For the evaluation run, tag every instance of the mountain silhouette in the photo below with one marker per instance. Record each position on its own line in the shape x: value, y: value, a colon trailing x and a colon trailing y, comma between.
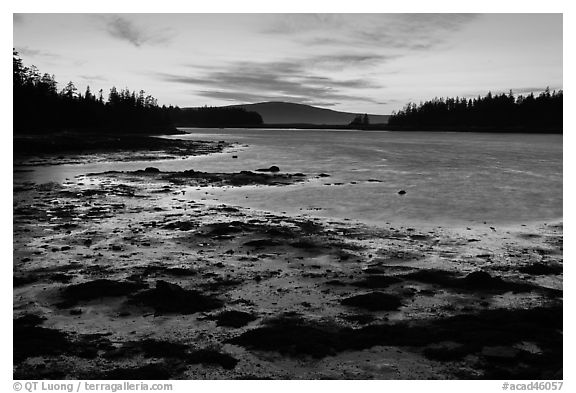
x: 291, y: 113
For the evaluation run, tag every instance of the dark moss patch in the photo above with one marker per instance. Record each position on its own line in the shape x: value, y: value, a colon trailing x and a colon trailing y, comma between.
x: 20, y: 279
x: 169, y: 298
x: 377, y: 281
x: 541, y: 269
x: 30, y: 340
x: 227, y: 228
x: 97, y: 289
x: 374, y: 301
x: 212, y: 357
x: 362, y: 319
x: 153, y: 371
x: 470, y: 333
x: 235, y: 319
x: 262, y: 243
x: 181, y: 225
x: 291, y: 336
x: 475, y: 281
x: 222, y: 283
x: 163, y: 349
x: 305, y: 244
x: 446, y: 353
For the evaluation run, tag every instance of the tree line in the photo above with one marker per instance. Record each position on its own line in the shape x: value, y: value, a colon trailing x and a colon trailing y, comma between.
x: 40, y: 107
x: 542, y: 112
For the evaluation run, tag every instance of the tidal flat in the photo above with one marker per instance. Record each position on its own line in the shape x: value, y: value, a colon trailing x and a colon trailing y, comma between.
x: 118, y: 275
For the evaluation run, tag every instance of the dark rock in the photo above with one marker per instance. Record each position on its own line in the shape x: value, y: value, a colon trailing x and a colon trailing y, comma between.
x: 323, y: 175
x: 152, y: 170
x: 482, y: 280
x: 273, y: 168
x: 401, y: 192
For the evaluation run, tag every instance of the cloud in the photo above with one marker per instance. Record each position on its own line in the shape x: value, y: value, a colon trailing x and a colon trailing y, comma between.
x: 125, y: 30
x: 265, y: 81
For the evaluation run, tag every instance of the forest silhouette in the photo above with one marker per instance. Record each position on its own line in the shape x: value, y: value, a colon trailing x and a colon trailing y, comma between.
x: 40, y: 108
x: 542, y: 113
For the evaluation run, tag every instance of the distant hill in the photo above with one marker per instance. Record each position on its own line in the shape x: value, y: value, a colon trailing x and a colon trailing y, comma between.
x: 289, y: 113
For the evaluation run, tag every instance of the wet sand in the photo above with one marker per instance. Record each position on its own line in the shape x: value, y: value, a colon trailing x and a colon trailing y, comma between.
x: 118, y: 276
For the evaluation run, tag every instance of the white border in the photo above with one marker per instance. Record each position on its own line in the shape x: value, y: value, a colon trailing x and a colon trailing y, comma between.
x: 244, y: 6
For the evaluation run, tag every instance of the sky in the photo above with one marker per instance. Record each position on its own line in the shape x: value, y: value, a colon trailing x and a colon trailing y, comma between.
x: 367, y: 63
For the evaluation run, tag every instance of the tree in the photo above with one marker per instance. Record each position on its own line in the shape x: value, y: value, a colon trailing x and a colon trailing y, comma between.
x: 365, y: 120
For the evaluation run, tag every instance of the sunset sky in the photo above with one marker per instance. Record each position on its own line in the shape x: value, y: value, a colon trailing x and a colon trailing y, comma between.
x: 373, y: 63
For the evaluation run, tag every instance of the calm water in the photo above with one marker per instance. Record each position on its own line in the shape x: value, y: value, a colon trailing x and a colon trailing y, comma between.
x: 448, y: 177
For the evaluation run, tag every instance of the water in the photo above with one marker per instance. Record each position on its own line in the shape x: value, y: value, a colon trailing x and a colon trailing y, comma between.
x: 461, y: 178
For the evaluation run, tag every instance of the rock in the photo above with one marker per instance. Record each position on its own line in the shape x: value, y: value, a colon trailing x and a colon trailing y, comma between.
x: 401, y: 192
x: 273, y: 168
x: 323, y: 175
x: 482, y: 280
x: 151, y: 169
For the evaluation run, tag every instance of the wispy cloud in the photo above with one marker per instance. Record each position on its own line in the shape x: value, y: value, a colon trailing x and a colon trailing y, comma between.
x: 124, y: 29
x: 92, y: 78
x: 388, y: 31
x: 282, y: 80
